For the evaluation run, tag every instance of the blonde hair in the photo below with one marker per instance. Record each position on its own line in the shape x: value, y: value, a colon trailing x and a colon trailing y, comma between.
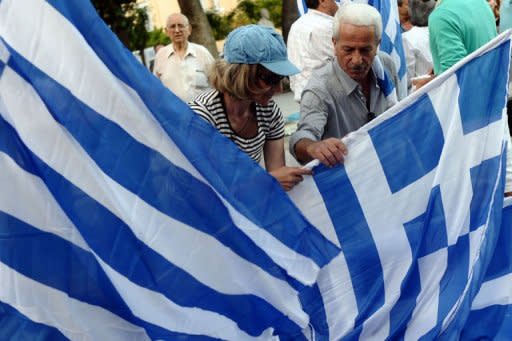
x: 237, y: 80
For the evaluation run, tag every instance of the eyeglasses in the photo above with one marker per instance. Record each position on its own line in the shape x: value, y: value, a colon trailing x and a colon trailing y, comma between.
x: 176, y: 26
x: 270, y: 78
x: 371, y: 116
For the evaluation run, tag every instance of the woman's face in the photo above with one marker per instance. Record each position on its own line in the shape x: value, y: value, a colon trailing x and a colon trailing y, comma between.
x: 270, y: 82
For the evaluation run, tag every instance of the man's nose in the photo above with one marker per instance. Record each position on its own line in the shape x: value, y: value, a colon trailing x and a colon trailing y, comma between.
x: 357, y: 57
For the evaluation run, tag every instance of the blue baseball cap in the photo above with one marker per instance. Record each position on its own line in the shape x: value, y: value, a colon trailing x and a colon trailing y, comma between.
x: 257, y: 44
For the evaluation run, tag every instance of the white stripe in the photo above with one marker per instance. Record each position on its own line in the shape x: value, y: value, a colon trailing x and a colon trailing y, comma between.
x: 494, y: 292
x: 338, y: 297
x: 4, y: 54
x: 149, y: 306
x: 157, y: 309
x: 26, y: 198
x: 57, y: 44
x: 313, y: 208
x: 424, y: 317
x: 172, y: 239
x: 384, y: 215
x: 76, y: 320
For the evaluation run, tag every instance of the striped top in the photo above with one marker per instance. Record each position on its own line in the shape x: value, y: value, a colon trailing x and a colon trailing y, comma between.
x: 210, y: 106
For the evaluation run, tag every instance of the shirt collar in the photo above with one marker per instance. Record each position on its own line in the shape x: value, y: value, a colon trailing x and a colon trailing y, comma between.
x: 189, y: 51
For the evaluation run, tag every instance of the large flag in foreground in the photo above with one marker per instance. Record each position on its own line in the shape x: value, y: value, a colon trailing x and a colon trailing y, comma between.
x: 119, y: 220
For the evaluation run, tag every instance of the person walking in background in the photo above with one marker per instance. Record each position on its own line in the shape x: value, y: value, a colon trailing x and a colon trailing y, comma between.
x: 310, y: 42
x: 182, y: 66
x: 457, y: 28
x: 416, y: 40
x: 403, y: 13
x: 240, y: 105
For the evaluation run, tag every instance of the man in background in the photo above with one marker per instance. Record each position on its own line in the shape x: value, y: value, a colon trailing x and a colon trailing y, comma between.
x: 182, y: 66
x: 310, y: 42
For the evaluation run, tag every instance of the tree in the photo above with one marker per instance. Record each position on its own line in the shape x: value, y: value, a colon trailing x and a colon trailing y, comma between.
x: 289, y: 15
x: 126, y: 20
x: 201, y: 30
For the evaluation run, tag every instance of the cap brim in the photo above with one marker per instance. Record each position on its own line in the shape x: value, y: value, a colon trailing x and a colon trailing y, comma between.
x: 282, y: 67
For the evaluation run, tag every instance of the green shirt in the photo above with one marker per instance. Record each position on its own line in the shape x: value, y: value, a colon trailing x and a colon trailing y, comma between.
x: 457, y: 28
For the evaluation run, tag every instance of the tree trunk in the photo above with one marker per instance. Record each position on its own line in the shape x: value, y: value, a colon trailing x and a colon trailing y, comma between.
x: 290, y: 14
x: 201, y: 30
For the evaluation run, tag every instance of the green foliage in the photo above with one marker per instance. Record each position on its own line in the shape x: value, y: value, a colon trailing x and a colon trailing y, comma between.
x: 126, y: 20
x: 246, y: 12
x: 157, y: 36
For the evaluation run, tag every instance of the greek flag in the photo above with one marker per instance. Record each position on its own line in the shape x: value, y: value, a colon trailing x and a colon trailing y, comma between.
x: 118, y: 218
x: 391, y: 42
x: 417, y: 210
x: 124, y: 216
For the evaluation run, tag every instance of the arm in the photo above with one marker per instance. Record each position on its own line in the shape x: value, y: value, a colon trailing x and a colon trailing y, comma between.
x: 288, y: 177
x: 446, y: 41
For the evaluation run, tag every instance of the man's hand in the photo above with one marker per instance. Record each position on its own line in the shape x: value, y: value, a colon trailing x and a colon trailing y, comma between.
x: 330, y: 152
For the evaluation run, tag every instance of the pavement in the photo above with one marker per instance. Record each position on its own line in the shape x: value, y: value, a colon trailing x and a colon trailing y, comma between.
x: 290, y: 110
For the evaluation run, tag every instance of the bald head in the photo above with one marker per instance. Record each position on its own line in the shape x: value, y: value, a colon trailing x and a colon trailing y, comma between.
x: 178, y: 28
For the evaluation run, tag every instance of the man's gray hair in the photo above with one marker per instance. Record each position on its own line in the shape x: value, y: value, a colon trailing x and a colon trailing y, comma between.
x: 183, y: 16
x: 419, y: 10
x: 357, y: 14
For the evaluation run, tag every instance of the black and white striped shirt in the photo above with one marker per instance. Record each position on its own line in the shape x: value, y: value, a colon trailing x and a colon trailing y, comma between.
x: 210, y: 106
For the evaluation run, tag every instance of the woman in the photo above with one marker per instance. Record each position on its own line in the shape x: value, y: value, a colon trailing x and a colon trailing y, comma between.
x: 241, y: 107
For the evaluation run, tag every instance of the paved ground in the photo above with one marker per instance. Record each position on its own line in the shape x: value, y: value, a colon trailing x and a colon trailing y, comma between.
x: 288, y: 107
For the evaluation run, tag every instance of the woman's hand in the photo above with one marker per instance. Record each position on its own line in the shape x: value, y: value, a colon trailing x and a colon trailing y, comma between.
x: 288, y: 177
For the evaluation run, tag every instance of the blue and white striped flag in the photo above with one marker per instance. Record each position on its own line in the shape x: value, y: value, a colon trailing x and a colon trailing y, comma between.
x: 391, y: 42
x: 416, y: 209
x: 119, y: 220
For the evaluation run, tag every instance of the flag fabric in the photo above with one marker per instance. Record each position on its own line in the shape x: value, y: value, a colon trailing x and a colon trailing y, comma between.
x: 118, y: 219
x: 492, y: 305
x: 391, y: 41
x: 124, y: 216
x: 416, y: 209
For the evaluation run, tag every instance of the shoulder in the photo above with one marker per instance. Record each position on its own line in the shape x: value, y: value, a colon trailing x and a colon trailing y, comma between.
x: 206, y: 101
x: 200, y: 50
x: 322, y: 78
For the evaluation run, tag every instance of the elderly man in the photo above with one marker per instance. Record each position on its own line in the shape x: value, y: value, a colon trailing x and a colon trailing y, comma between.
x: 345, y: 93
x: 309, y: 41
x: 182, y: 66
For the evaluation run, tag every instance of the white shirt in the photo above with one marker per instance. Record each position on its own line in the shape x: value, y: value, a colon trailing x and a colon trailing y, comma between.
x: 186, y: 77
x: 309, y: 46
x: 417, y: 52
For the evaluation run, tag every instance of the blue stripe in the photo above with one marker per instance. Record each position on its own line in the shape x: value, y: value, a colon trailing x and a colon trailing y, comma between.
x: 488, y: 246
x: 481, y: 103
x: 356, y: 239
x: 176, y: 193
x: 491, y: 323
x: 235, y: 176
x: 455, y: 277
x: 426, y: 234
x: 414, y: 134
x: 55, y: 262
x: 16, y: 326
x: 313, y: 305
x: 117, y: 245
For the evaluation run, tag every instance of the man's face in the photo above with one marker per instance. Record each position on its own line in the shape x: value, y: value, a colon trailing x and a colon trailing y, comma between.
x: 355, y: 50
x: 331, y: 7
x: 403, y: 11
x: 178, y: 29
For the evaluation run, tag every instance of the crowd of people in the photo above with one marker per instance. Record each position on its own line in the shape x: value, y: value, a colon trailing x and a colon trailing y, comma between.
x: 334, y: 65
